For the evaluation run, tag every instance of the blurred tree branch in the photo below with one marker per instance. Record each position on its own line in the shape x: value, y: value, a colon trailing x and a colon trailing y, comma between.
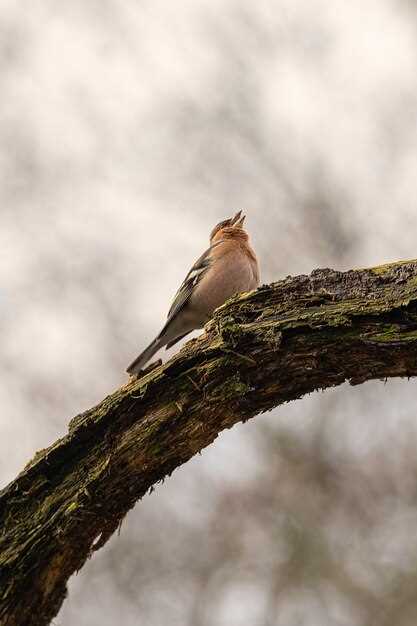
x: 260, y: 350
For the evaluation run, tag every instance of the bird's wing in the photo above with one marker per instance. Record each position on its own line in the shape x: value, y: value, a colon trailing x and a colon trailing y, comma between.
x: 190, y: 282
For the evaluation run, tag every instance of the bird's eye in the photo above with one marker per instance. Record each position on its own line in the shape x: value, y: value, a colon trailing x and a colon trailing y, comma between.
x: 219, y: 226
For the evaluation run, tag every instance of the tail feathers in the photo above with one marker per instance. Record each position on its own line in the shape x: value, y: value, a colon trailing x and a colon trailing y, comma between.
x: 174, y: 341
x: 143, y: 358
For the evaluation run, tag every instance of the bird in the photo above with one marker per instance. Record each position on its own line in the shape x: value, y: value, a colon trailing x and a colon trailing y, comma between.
x: 229, y: 266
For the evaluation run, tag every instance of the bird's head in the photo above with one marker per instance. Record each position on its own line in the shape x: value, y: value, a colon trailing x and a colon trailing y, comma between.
x: 230, y: 228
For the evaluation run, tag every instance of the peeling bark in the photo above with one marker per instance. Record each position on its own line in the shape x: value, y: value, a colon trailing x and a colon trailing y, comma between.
x: 261, y: 349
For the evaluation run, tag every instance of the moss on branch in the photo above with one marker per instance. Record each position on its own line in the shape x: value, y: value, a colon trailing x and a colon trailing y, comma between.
x: 260, y: 349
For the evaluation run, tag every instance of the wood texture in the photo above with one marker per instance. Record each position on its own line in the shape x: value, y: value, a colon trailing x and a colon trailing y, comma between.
x: 261, y: 349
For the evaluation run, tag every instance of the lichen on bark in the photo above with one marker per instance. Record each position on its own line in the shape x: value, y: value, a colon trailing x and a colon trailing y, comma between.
x: 260, y: 349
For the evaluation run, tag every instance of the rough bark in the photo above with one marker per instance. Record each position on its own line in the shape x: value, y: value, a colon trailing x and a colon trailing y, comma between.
x: 260, y: 350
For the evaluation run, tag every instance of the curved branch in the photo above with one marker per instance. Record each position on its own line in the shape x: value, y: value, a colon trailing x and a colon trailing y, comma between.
x: 260, y: 350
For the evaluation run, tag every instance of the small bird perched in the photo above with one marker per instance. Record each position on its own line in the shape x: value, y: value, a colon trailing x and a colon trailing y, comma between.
x: 227, y: 267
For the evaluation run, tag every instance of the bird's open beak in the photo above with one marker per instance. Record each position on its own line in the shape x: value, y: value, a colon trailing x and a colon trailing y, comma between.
x: 238, y: 219
x: 235, y: 218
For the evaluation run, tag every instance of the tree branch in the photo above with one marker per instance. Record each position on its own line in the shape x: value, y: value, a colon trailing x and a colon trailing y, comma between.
x: 260, y: 350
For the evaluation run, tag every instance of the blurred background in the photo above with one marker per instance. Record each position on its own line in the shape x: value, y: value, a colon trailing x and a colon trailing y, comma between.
x: 127, y: 130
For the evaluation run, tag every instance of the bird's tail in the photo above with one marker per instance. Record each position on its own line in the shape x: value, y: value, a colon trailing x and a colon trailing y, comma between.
x: 144, y: 357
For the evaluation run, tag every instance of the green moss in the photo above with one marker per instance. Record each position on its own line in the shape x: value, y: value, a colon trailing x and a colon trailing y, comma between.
x: 383, y: 269
x: 394, y: 335
x: 233, y: 387
x: 229, y: 331
x: 71, y: 508
x: 240, y: 357
x: 340, y: 320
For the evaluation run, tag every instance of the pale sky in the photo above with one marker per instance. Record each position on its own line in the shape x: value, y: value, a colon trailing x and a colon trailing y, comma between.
x: 127, y: 130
